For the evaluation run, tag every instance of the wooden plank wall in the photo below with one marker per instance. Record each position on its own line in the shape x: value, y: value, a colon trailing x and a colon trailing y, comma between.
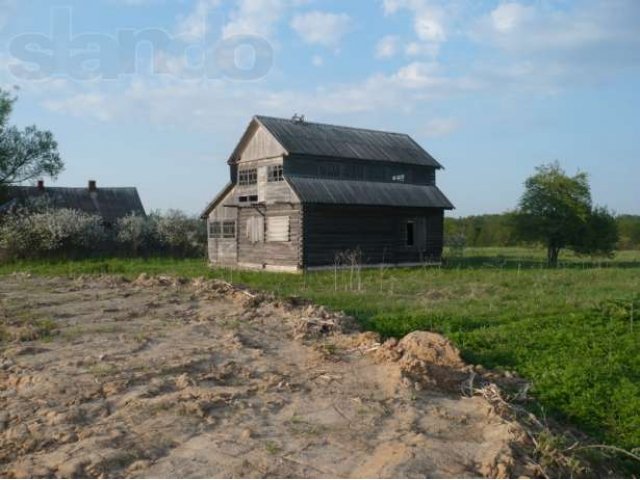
x: 379, y: 233
x: 223, y: 251
x: 270, y: 253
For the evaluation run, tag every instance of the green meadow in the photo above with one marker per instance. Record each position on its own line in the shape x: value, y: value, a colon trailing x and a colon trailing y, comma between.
x: 573, y: 332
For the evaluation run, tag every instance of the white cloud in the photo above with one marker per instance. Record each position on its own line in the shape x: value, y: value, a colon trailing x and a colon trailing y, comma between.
x: 193, y: 26
x: 508, y: 16
x: 418, y: 75
x: 430, y: 21
x: 548, y: 48
x: 255, y: 17
x: 518, y: 60
x: 429, y: 25
x: 440, y: 127
x: 321, y: 28
x: 416, y: 49
x: 387, y: 46
x: 530, y: 29
x: 86, y: 105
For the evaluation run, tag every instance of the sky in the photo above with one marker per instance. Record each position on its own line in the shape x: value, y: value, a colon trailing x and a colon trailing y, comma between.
x: 156, y: 93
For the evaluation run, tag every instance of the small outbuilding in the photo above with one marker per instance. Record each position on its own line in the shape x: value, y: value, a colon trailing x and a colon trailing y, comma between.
x: 111, y: 203
x: 305, y: 195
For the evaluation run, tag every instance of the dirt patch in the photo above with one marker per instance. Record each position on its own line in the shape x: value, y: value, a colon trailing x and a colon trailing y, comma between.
x: 163, y: 377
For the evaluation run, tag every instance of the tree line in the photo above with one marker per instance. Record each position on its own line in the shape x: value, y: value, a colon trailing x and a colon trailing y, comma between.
x: 497, y: 230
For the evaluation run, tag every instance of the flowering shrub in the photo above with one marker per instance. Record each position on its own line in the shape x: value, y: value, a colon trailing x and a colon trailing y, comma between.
x: 138, y: 235
x: 41, y: 231
x: 25, y: 234
x: 181, y: 235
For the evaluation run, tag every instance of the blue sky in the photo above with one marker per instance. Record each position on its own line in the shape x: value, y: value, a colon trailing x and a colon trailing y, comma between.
x: 490, y: 88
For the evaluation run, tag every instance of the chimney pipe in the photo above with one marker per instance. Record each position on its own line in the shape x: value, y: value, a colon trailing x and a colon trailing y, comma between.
x: 92, y: 186
x: 41, y: 185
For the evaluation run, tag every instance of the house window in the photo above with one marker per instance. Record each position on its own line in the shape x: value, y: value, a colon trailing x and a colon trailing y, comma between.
x: 248, y: 198
x: 248, y: 176
x: 278, y: 229
x: 255, y: 229
x: 275, y: 173
x: 228, y: 229
x: 215, y: 229
x: 398, y: 178
x: 410, y: 234
x: 225, y: 229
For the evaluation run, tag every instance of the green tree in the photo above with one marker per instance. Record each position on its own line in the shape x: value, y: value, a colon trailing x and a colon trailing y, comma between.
x: 600, y: 235
x: 556, y: 209
x: 25, y: 154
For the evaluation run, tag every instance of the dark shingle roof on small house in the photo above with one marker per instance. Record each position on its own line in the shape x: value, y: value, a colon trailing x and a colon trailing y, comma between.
x: 110, y: 203
x: 318, y: 139
x: 351, y: 192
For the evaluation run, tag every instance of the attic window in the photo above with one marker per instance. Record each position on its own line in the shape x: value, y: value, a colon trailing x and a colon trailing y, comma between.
x: 248, y: 198
x: 275, y: 173
x: 248, y: 176
x: 398, y: 178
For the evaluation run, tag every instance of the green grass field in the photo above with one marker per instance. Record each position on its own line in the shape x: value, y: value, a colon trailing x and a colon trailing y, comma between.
x: 573, y: 332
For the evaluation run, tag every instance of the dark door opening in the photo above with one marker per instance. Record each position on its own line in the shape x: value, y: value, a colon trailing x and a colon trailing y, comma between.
x: 410, y: 239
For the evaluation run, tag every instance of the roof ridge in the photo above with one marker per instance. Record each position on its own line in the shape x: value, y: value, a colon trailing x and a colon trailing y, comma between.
x: 258, y: 117
x: 52, y: 187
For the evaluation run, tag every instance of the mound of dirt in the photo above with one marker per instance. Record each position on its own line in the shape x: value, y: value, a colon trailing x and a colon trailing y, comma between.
x: 428, y: 359
x: 164, y: 377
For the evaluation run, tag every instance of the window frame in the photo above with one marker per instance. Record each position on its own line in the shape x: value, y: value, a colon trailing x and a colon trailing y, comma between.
x: 215, y: 229
x: 222, y: 229
x: 275, y: 173
x: 248, y: 199
x: 229, y: 229
x: 269, y: 235
x: 247, y: 176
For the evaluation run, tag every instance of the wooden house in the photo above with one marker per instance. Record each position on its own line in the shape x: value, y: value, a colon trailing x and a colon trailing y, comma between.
x: 111, y: 203
x: 302, y: 194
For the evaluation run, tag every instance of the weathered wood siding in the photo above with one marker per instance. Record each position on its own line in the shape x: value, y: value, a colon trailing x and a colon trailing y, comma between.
x: 223, y: 251
x: 261, y: 145
x: 267, y: 192
x: 267, y: 254
x: 378, y: 232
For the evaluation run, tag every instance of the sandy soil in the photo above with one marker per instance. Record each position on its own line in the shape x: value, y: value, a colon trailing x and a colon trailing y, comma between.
x: 168, y: 378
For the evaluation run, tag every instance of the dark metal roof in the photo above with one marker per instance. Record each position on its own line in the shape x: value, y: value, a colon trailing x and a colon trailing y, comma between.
x: 346, y: 192
x: 110, y: 203
x: 307, y: 138
x: 213, y: 203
